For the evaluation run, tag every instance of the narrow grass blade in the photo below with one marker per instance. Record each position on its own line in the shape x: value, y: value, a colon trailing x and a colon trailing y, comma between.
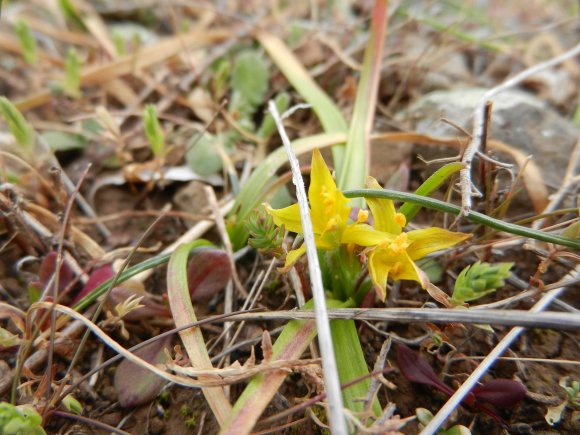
x: 351, y: 365
x: 291, y: 344
x: 328, y: 113
x: 410, y: 210
x: 131, y: 272
x: 183, y: 314
x: 472, y: 216
x: 355, y: 165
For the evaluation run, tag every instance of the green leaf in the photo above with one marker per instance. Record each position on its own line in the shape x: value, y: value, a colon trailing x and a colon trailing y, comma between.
x: 183, y: 313
x: 572, y: 231
x: 327, y: 112
x: 432, y: 268
x: 153, y: 131
x: 202, y: 156
x: 458, y: 429
x: 249, y: 82
x: 62, y: 141
x: 429, y: 185
x: 351, y: 364
x: 20, y: 129
x: 354, y: 169
x: 268, y: 126
x: 8, y: 339
x: 22, y: 419
x: 423, y: 415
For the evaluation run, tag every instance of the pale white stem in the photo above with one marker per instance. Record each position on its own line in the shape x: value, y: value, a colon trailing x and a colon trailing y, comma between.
x: 330, y: 370
x: 479, y: 122
x: 570, y: 180
x: 489, y: 360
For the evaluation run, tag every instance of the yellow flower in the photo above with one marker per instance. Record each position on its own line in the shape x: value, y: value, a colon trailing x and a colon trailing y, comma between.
x: 329, y: 212
x: 391, y: 252
x: 394, y: 256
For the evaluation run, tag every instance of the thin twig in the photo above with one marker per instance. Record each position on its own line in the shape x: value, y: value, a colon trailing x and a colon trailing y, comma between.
x: 491, y: 358
x: 135, y: 348
x: 467, y: 187
x: 100, y: 306
x: 551, y: 319
x: 90, y: 422
x: 570, y: 180
x: 330, y: 370
x: 58, y: 265
x: 70, y: 187
x: 221, y: 226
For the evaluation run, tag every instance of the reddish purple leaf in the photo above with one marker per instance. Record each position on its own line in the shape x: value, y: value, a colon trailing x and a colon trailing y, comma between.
x: 96, y: 278
x: 418, y: 370
x: 501, y: 392
x: 208, y: 273
x: 47, y: 269
x: 136, y: 385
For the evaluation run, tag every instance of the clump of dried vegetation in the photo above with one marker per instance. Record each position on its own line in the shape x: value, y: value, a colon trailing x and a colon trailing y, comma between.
x: 163, y: 269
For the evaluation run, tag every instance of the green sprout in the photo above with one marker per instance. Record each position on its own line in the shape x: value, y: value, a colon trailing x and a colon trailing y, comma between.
x: 478, y: 280
x: 119, y: 43
x: 22, y: 419
x: 72, y: 404
x: 572, y: 392
x: 72, y: 81
x: 27, y: 42
x: 71, y: 14
x: 425, y: 416
x: 265, y: 236
x: 572, y: 400
x: 20, y: 129
x: 153, y: 131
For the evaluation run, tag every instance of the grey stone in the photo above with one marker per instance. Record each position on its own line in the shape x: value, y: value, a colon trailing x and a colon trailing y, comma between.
x: 519, y: 119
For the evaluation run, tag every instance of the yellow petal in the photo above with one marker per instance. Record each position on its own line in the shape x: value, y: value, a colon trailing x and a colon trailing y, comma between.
x: 379, y: 270
x: 293, y: 256
x: 321, y: 184
x: 289, y: 217
x: 424, y: 242
x: 326, y: 200
x: 384, y: 213
x: 405, y: 268
x: 363, y: 235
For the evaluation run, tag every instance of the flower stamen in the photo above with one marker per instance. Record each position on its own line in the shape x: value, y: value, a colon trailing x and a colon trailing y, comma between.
x: 399, y: 245
x: 400, y: 219
x: 362, y: 216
